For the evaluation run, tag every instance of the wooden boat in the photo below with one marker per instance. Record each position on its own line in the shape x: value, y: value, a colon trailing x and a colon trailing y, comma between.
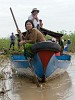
x: 44, y: 62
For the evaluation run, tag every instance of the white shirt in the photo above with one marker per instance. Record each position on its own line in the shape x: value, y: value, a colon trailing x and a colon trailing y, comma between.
x: 35, y: 22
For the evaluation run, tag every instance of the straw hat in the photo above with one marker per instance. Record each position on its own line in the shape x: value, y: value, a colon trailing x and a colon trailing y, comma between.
x: 35, y: 9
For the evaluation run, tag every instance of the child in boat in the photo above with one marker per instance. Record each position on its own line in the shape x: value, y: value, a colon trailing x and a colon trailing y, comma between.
x: 32, y: 36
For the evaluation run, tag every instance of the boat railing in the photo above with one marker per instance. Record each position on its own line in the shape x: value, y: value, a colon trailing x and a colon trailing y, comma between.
x: 21, y: 60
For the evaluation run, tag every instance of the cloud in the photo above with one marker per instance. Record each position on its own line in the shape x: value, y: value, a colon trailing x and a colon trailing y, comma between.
x: 56, y: 14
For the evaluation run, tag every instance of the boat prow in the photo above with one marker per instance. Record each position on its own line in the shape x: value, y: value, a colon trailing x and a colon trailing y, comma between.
x: 44, y: 62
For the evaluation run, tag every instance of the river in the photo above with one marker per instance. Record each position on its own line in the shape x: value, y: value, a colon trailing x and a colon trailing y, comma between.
x: 22, y: 88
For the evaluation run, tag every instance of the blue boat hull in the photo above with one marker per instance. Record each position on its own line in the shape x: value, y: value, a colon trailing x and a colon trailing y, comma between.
x: 56, y: 65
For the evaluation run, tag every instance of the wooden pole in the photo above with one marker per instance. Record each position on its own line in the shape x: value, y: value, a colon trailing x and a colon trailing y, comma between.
x: 20, y: 35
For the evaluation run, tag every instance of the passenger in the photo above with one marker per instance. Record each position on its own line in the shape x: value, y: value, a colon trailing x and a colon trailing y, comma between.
x: 34, y: 17
x: 32, y: 36
x: 68, y: 41
x: 60, y: 42
x: 66, y: 47
x: 56, y: 41
x: 12, y: 41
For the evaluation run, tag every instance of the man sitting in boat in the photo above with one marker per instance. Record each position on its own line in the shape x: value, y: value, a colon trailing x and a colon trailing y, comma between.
x: 60, y: 42
x: 34, y: 17
x: 32, y: 36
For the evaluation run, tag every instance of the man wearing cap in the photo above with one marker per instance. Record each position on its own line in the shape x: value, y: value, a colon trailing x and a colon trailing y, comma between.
x: 34, y: 18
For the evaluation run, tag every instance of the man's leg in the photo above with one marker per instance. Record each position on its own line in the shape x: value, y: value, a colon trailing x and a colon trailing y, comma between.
x: 10, y: 46
x: 13, y: 45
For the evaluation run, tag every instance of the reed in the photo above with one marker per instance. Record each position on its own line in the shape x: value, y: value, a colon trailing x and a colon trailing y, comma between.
x: 5, y: 42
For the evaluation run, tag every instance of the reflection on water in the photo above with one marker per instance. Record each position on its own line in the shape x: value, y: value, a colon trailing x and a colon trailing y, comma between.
x: 60, y: 88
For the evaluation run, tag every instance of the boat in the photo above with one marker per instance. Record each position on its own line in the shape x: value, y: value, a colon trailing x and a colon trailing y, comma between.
x: 44, y: 62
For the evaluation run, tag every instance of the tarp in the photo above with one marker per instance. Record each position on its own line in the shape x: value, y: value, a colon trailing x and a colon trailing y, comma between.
x: 51, y: 33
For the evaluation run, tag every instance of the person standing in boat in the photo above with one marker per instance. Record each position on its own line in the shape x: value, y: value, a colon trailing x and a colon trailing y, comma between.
x: 32, y: 36
x: 60, y: 41
x: 12, y: 40
x: 34, y: 17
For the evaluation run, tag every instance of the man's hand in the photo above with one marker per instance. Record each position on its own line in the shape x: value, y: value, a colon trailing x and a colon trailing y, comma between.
x: 22, y: 42
x: 18, y: 31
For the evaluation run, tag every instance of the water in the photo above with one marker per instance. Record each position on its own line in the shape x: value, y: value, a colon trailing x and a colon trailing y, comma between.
x: 22, y: 88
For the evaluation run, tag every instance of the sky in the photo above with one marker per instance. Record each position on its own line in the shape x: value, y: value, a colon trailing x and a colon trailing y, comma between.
x: 57, y: 15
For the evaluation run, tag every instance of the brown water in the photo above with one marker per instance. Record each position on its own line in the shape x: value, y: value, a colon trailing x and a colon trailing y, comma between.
x: 22, y: 88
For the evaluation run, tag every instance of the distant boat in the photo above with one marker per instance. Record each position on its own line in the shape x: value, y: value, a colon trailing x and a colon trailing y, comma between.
x: 44, y: 62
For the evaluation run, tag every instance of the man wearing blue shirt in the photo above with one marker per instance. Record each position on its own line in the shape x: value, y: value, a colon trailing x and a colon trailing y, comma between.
x: 12, y: 40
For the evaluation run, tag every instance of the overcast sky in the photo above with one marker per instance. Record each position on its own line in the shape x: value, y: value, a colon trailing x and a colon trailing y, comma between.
x: 57, y: 15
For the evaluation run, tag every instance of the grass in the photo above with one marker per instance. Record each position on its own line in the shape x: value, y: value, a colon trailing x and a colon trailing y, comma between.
x: 72, y: 39
x: 66, y: 37
x: 5, y: 43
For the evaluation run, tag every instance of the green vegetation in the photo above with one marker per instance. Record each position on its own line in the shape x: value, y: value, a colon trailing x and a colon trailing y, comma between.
x: 66, y: 37
x: 72, y: 39
x: 5, y: 42
x: 4, y: 47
